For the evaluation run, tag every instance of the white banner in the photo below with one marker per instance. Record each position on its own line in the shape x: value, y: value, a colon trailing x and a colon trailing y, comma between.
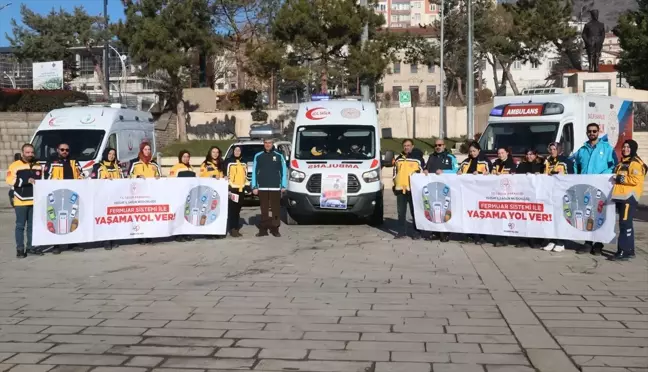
x: 574, y: 207
x: 78, y: 211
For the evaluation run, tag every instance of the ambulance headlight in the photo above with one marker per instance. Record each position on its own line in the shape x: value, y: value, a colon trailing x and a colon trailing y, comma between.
x: 297, y: 176
x: 371, y: 176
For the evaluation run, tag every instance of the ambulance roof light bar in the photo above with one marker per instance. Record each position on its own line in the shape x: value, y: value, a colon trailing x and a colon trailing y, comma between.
x: 528, y: 109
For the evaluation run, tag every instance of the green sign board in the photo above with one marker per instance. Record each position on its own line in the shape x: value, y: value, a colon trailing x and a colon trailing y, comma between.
x: 405, y: 98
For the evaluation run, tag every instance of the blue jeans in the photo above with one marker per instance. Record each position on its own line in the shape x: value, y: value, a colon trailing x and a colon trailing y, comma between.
x: 24, y: 218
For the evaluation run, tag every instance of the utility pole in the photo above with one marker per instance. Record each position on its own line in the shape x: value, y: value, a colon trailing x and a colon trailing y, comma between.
x: 106, y: 66
x: 442, y: 75
x: 364, y: 89
x: 470, y: 76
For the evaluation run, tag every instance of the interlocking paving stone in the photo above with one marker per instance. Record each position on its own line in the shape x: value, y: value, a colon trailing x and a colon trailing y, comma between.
x: 321, y: 299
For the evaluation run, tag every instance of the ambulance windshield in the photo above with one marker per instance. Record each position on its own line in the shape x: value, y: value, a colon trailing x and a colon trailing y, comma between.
x: 518, y: 136
x: 84, y: 143
x: 335, y: 142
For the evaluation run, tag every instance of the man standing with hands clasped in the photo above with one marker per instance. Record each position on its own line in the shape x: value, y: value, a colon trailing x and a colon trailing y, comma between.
x: 269, y: 181
x: 596, y: 156
x: 441, y: 161
x: 22, y: 175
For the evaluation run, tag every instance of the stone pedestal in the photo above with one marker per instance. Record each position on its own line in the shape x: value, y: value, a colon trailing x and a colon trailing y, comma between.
x: 598, y: 83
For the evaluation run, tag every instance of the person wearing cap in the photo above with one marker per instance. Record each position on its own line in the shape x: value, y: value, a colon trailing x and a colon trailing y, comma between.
x: 269, y: 181
x: 629, y: 177
x: 557, y: 163
x: 596, y: 156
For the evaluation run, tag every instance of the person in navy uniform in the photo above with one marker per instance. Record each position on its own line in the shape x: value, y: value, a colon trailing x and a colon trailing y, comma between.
x: 439, y: 162
x: 269, y: 181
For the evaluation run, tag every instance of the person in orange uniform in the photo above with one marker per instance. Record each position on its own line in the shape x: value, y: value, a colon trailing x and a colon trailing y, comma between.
x: 107, y: 169
x: 504, y: 164
x: 22, y: 175
x: 213, y: 164
x: 629, y: 178
x: 183, y: 169
x: 475, y: 163
x: 236, y: 172
x: 557, y: 163
x: 145, y: 167
x: 408, y: 162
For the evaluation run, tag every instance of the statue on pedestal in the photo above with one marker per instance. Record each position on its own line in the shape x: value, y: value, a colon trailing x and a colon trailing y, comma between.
x: 593, y: 36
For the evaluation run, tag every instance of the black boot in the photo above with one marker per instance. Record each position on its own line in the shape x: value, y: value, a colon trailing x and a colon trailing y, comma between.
x: 620, y: 256
x: 107, y: 246
x: 444, y: 237
x: 597, y: 250
x: 234, y: 233
x: 586, y: 249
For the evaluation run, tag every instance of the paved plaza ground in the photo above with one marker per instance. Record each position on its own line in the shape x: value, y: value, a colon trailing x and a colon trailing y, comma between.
x: 330, y: 298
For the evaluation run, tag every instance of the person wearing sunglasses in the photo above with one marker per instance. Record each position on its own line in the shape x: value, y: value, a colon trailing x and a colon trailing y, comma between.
x: 596, y: 156
x: 439, y: 162
x: 63, y: 167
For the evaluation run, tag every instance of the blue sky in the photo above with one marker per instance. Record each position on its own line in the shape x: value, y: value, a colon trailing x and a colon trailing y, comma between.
x: 94, y: 7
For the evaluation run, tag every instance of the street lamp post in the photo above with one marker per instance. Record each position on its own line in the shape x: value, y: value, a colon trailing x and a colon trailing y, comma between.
x: 470, y: 75
x: 122, y: 59
x: 106, y: 51
x: 364, y: 89
x: 11, y: 79
x: 442, y: 74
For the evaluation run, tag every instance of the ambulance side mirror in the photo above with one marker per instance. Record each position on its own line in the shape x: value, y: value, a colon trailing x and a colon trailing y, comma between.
x: 388, y: 159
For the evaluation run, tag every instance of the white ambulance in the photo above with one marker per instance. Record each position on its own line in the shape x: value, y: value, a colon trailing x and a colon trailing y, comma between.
x: 534, y: 121
x: 90, y: 129
x: 335, y: 162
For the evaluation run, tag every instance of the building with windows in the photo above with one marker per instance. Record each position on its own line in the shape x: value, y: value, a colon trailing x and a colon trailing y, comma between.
x: 407, y: 13
x: 423, y: 81
x: 14, y: 74
x: 532, y: 75
x: 126, y: 86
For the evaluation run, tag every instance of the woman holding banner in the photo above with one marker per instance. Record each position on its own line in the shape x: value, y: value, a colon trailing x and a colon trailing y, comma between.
x: 145, y: 167
x: 629, y: 177
x: 183, y: 169
x: 107, y: 169
x: 476, y: 163
x: 236, y: 173
x: 504, y: 164
x: 557, y: 163
x: 531, y: 164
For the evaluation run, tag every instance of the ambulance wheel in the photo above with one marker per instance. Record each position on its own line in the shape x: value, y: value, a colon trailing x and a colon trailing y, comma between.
x: 290, y: 220
x: 378, y: 217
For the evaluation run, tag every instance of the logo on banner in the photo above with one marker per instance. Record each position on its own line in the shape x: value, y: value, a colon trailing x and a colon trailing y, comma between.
x: 134, y: 188
x: 523, y: 110
x: 202, y: 206
x: 584, y: 207
x: 62, y: 214
x: 437, y: 203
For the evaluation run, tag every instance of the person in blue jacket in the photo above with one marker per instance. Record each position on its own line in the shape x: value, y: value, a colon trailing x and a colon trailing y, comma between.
x: 439, y: 162
x: 269, y: 181
x: 596, y: 156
